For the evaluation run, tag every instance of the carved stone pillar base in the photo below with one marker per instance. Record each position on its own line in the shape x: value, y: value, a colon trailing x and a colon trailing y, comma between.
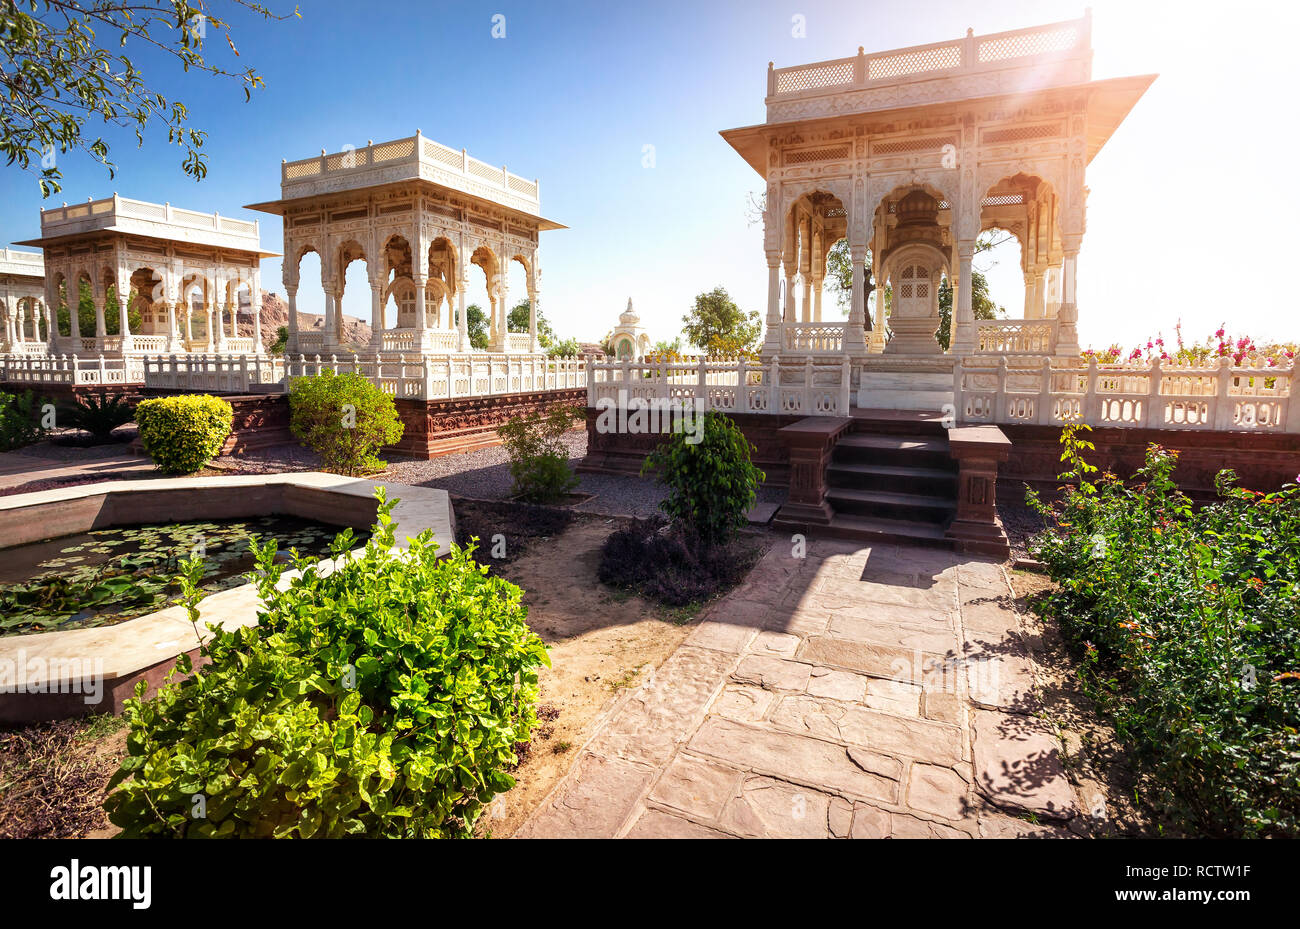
x: 810, y: 442
x: 978, y: 451
x: 914, y: 336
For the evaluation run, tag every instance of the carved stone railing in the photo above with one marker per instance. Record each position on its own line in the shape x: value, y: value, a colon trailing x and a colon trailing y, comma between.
x: 450, y: 376
x: 729, y: 385
x: 813, y: 338
x: 1215, y: 395
x: 1033, y: 57
x: 413, y: 156
x: 1016, y: 336
x: 129, y: 215
x: 224, y: 373
x: 70, y: 369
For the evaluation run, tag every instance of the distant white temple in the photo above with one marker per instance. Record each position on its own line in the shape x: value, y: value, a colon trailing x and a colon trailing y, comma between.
x: 628, y: 339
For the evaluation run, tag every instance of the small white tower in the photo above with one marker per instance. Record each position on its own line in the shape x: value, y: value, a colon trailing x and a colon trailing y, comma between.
x: 628, y: 339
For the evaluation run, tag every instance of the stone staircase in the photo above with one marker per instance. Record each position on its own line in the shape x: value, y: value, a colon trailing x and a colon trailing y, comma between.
x: 891, y: 477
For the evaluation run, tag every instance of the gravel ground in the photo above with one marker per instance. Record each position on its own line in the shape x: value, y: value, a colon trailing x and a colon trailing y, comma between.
x: 484, y: 474
x: 72, y: 453
x: 1021, y: 524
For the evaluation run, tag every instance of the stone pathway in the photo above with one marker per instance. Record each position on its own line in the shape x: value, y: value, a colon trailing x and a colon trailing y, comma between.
x: 857, y: 692
x: 17, y: 469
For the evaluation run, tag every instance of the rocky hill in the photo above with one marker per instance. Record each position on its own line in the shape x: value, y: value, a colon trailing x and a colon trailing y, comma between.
x: 275, y: 313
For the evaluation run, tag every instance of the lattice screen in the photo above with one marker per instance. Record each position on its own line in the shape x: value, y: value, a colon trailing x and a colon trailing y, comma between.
x: 903, y: 146
x: 1060, y: 39
x: 803, y: 156
x: 930, y: 59
x: 1021, y: 133
x: 828, y: 75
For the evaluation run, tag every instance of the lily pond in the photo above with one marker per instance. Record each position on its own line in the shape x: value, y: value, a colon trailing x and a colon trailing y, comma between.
x: 105, y: 576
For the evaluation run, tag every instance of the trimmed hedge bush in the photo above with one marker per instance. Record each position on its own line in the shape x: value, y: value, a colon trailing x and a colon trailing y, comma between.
x: 1187, y: 622
x: 345, y: 419
x: 382, y: 699
x: 182, y: 434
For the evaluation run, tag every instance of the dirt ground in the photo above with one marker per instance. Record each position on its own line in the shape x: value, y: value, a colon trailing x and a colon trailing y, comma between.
x: 1094, y: 760
x: 601, y: 642
x: 53, y: 778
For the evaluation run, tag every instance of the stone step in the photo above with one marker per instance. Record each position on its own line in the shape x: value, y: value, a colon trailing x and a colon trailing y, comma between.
x: 902, y: 450
x: 872, y: 529
x: 935, y: 482
x: 890, y: 505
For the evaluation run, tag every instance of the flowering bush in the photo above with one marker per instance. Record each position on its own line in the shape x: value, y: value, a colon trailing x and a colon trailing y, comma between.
x: 1188, y: 625
x: 1221, y: 344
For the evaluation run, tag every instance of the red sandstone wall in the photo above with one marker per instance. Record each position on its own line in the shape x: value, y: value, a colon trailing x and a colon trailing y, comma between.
x: 1262, y: 461
x: 441, y: 427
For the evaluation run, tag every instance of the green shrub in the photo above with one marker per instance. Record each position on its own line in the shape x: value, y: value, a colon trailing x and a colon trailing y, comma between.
x: 182, y: 434
x: 346, y: 419
x: 1188, y: 626
x: 539, y: 462
x: 382, y: 699
x: 98, y: 414
x: 712, y: 482
x: 20, y: 420
x: 671, y: 565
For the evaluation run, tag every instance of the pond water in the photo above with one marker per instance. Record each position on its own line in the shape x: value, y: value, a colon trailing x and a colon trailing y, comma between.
x: 105, y: 576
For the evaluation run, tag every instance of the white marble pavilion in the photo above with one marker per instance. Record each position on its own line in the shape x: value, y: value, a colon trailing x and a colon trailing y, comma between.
x: 187, y: 274
x: 422, y: 217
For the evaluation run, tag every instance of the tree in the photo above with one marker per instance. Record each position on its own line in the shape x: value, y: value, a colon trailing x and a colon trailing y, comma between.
x: 517, y: 321
x: 476, y: 322
x: 981, y: 303
x: 719, y: 327
x: 66, y: 62
x: 665, y: 347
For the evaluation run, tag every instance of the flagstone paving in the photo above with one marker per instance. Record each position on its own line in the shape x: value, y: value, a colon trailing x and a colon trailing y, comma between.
x: 857, y: 692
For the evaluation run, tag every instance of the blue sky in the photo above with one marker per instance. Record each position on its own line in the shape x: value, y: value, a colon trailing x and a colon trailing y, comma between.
x: 575, y: 91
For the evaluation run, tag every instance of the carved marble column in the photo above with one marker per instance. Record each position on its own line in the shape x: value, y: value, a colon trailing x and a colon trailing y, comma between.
x: 963, y: 324
x: 1067, y: 329
x: 377, y: 311
x: 291, y: 343
x: 772, y: 335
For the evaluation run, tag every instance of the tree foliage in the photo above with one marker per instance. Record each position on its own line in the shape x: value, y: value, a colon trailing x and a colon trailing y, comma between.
x: 517, y: 321
x: 719, y: 327
x: 476, y: 324
x: 68, y: 62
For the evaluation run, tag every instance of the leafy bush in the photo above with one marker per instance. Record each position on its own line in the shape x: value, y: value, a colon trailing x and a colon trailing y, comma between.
x: 712, y: 482
x: 671, y: 564
x: 98, y: 414
x: 539, y: 462
x: 1188, y: 623
x: 382, y: 699
x: 565, y: 348
x: 20, y: 423
x: 346, y: 419
x: 182, y: 434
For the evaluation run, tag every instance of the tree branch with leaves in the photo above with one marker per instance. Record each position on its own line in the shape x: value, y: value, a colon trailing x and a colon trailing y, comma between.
x: 66, y: 63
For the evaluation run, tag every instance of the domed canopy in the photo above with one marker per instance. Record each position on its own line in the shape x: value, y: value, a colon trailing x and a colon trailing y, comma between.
x: 628, y: 317
x: 917, y: 208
